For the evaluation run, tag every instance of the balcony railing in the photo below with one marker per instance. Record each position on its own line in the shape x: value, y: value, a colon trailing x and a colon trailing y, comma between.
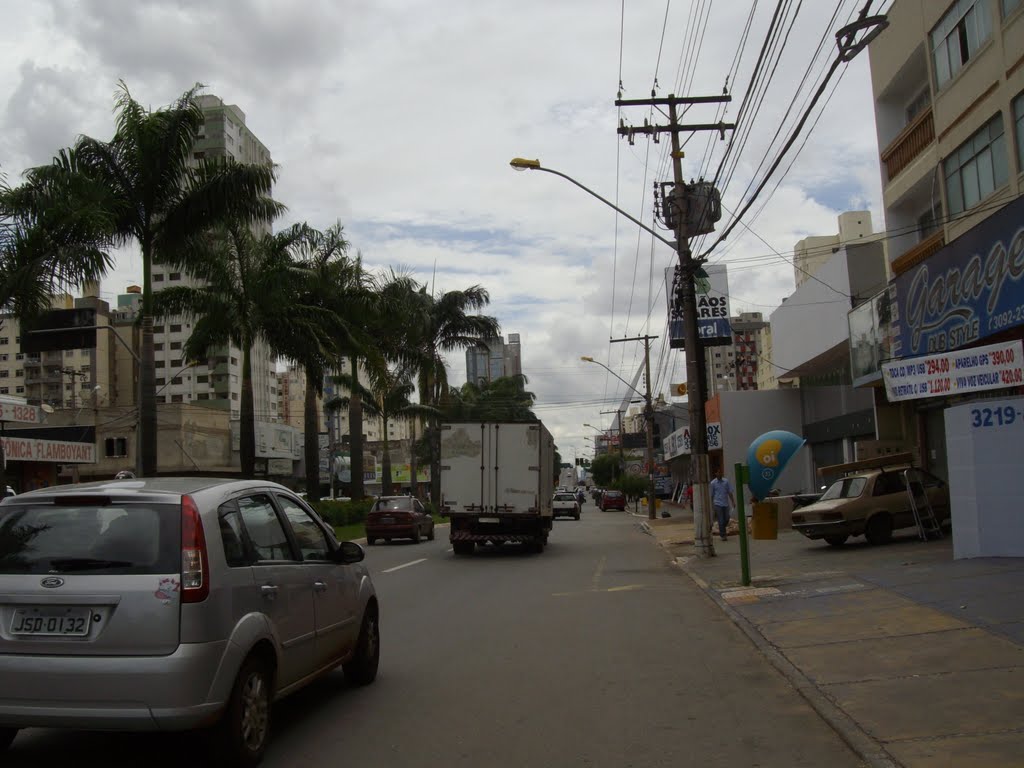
x: 918, y: 253
x: 910, y: 143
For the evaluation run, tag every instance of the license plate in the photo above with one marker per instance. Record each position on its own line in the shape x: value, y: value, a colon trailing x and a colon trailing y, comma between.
x: 489, y: 519
x: 52, y: 622
x: 387, y: 520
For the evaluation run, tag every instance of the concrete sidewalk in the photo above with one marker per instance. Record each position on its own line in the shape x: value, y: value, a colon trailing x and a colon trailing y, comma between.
x: 914, y: 658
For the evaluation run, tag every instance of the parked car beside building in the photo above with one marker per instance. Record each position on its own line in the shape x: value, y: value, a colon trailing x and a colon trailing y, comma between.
x: 612, y: 500
x: 872, y: 502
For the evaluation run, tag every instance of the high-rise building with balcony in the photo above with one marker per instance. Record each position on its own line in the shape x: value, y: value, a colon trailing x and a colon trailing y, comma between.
x: 494, y: 359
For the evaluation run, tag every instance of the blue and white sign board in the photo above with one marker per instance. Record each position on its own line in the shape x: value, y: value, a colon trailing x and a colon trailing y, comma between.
x: 679, y: 442
x: 970, y: 289
x: 986, y: 486
x: 994, y: 366
x: 712, y: 292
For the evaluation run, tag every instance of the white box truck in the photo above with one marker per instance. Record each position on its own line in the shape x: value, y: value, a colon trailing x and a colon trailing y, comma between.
x: 497, y: 481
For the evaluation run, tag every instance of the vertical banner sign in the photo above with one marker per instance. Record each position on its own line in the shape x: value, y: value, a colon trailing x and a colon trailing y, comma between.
x: 767, y: 456
x: 712, y: 289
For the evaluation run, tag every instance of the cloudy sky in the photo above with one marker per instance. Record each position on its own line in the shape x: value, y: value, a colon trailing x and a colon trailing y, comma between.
x: 398, y: 118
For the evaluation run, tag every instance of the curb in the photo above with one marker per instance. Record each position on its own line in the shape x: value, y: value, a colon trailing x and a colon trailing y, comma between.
x: 856, y: 738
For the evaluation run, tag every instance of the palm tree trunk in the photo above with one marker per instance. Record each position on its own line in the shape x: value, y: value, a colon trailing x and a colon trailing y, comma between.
x: 413, y: 480
x: 386, y: 487
x: 145, y: 434
x: 355, y: 434
x: 247, y: 420
x: 435, y: 446
x: 311, y: 436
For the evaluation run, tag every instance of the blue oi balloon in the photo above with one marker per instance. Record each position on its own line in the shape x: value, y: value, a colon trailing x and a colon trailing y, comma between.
x: 767, y: 456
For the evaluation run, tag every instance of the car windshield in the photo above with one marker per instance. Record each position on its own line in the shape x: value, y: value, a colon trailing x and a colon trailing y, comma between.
x: 847, y: 488
x: 95, y: 539
x: 393, y: 505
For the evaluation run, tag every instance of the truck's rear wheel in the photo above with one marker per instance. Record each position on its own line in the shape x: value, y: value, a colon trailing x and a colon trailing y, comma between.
x: 463, y: 547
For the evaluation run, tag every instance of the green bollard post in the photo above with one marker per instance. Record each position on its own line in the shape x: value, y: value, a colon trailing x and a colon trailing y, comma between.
x: 742, y: 474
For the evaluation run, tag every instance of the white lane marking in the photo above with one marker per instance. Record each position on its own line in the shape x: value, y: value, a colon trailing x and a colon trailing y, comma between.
x: 405, y: 565
x: 451, y: 549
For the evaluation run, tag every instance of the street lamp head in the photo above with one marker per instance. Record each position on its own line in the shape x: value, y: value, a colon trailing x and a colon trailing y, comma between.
x: 587, y: 359
x: 522, y: 164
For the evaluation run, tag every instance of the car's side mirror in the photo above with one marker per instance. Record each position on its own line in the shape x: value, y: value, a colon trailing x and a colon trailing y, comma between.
x: 348, y: 553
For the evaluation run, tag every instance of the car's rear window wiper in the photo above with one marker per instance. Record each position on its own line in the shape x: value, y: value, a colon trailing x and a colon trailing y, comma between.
x: 86, y: 563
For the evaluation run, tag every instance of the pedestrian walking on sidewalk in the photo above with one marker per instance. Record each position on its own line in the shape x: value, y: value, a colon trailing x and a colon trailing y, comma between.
x: 722, y: 500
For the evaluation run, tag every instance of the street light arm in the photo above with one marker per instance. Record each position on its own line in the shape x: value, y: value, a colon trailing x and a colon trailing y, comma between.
x: 534, y: 165
x: 613, y: 373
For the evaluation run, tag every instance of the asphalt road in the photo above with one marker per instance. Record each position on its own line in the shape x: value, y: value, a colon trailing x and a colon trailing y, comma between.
x: 596, y: 653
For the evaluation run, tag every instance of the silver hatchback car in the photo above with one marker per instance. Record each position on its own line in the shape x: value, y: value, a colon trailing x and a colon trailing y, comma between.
x: 173, y: 604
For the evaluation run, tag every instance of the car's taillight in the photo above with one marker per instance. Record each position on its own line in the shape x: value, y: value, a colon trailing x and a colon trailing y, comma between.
x: 195, y: 567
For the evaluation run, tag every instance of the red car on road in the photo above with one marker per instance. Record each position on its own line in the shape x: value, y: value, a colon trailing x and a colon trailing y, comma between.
x: 398, y: 517
x: 613, y: 500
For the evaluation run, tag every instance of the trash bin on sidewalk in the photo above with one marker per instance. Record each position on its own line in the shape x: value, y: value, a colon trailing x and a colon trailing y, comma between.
x: 765, y: 520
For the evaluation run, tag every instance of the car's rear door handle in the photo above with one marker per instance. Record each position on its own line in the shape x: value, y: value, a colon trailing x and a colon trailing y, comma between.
x: 269, y: 590
x: 320, y: 586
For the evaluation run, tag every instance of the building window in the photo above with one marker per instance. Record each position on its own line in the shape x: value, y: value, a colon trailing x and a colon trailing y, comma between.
x: 176, y: 328
x: 977, y: 167
x: 203, y: 396
x: 1018, y: 119
x: 5, y: 340
x: 19, y: 356
x: 234, y: 361
x: 958, y: 36
x: 158, y: 278
x: 234, y: 395
x: 202, y: 379
x: 160, y: 363
x: 176, y: 380
x: 174, y: 276
x: 18, y: 373
x: 4, y: 390
x: 158, y: 347
x: 176, y: 363
x: 160, y: 382
x: 175, y: 345
x: 19, y: 390
x: 115, y: 447
x: 176, y: 398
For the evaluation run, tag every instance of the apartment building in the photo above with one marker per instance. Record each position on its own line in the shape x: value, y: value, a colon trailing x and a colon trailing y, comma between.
x: 494, y: 359
x: 948, y: 86
x: 735, y: 366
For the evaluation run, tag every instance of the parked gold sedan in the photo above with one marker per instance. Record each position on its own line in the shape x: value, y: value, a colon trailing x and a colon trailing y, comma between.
x: 872, y: 503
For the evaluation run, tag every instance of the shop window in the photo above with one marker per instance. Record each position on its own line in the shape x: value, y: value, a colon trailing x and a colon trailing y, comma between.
x: 977, y: 167
x: 957, y: 37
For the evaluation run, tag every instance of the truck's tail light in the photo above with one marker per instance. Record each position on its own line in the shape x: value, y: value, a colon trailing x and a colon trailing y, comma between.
x: 195, y: 566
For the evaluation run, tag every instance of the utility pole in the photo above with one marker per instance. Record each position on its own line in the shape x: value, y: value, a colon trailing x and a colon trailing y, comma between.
x: 688, y: 221
x: 648, y: 421
x: 622, y: 445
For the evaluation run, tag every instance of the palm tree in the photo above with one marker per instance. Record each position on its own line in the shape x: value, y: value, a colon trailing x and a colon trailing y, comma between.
x: 504, y: 399
x: 335, y: 285
x: 142, y: 180
x: 248, y: 292
x: 438, y: 325
x: 387, y: 397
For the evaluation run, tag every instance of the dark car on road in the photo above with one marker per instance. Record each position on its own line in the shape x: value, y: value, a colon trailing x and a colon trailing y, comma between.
x: 613, y: 500
x: 398, y: 517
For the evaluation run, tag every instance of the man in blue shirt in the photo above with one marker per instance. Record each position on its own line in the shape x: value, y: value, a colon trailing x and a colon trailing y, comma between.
x: 722, y: 500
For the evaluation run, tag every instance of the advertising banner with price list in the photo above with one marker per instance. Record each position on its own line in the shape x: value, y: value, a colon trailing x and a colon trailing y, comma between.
x: 955, y: 373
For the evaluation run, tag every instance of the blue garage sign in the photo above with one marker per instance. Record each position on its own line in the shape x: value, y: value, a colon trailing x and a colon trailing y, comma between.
x: 969, y: 290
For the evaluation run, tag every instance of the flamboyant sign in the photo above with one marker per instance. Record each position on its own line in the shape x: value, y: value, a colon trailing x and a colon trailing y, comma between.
x: 55, y: 451
x: 955, y: 373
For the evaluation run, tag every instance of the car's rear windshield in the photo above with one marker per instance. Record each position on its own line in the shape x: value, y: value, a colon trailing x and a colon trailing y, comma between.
x: 847, y: 488
x: 613, y: 494
x: 564, y: 497
x: 126, y: 538
x: 393, y: 505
